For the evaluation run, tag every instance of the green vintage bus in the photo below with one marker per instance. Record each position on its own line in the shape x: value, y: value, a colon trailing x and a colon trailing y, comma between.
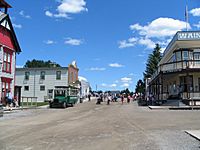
x: 64, y: 97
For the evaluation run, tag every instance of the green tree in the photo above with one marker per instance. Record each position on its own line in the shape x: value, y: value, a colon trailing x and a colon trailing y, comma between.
x: 126, y: 92
x: 140, y: 87
x: 40, y: 63
x: 152, y: 62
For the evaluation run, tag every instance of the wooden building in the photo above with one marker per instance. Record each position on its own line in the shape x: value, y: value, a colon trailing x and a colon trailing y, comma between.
x: 178, y: 74
x: 9, y: 46
x: 40, y: 82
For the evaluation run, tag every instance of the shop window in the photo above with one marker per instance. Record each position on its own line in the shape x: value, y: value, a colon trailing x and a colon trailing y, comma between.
x: 5, y: 88
x: 42, y: 88
x: 186, y: 83
x: 42, y: 75
x: 27, y: 74
x: 58, y: 75
x: 26, y: 88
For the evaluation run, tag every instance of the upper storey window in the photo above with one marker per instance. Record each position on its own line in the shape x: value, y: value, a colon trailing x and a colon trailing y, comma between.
x: 185, y: 55
x: 178, y: 56
x: 7, y: 61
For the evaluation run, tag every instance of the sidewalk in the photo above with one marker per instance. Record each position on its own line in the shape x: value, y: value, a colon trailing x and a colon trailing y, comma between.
x: 175, y: 107
x: 194, y: 133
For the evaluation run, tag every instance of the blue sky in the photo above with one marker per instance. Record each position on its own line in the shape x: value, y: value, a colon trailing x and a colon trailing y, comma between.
x: 109, y: 39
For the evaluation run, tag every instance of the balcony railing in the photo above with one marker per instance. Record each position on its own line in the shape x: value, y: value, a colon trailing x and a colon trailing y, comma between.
x: 177, y: 66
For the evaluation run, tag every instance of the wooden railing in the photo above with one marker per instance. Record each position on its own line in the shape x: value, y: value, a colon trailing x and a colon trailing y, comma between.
x: 177, y: 66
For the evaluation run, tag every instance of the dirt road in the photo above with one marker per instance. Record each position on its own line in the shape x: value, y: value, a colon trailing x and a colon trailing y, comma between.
x: 99, y: 127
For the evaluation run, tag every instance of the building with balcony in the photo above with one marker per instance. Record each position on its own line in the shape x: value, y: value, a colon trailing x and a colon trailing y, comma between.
x: 178, y: 74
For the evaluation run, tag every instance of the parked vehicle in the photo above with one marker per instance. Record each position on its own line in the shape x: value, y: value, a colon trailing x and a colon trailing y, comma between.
x: 64, y: 97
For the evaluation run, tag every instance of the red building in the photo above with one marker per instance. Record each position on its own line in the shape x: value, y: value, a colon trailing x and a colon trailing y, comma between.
x: 9, y: 46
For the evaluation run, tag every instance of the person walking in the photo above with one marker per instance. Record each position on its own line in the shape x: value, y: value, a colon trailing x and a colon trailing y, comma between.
x: 128, y: 99
x: 122, y: 99
x: 9, y: 100
x: 89, y: 96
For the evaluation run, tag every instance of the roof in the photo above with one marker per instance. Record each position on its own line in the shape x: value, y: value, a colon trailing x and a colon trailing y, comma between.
x: 14, y: 38
x: 182, y: 39
x: 41, y: 68
x: 4, y: 4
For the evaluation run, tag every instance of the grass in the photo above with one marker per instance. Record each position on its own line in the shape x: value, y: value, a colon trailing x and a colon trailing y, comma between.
x: 34, y: 104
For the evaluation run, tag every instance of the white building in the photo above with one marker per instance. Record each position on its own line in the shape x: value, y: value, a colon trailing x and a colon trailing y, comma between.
x: 85, y: 87
x: 40, y: 82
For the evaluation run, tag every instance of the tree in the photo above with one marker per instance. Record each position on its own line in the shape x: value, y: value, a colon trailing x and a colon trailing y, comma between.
x: 126, y: 92
x: 40, y: 63
x: 140, y: 87
x: 152, y: 62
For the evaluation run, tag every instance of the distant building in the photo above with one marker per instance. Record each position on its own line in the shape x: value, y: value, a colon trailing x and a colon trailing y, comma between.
x: 178, y: 74
x: 9, y: 46
x: 85, y: 87
x: 40, y: 82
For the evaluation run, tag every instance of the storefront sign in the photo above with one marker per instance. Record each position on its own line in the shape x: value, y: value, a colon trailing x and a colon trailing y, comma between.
x: 188, y: 35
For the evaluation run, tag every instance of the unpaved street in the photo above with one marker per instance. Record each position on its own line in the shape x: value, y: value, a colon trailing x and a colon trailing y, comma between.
x: 99, y: 127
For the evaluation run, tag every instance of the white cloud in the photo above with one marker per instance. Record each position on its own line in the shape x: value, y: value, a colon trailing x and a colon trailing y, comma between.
x: 74, y: 42
x: 24, y: 15
x: 197, y: 25
x: 131, y: 74
x: 67, y: 7
x: 19, y: 66
x: 113, y: 85
x: 126, y: 80
x: 140, y: 55
x: 116, y: 81
x: 127, y: 43
x: 109, y: 85
x: 160, y: 27
x: 116, y: 65
x: 48, y: 13
x: 96, y: 69
x: 195, y: 12
x: 19, y: 26
x: 159, y: 31
x: 125, y: 85
x: 147, y: 42
x: 49, y: 42
x: 82, y: 79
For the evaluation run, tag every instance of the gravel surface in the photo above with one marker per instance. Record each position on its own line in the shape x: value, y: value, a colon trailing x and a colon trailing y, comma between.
x: 88, y: 126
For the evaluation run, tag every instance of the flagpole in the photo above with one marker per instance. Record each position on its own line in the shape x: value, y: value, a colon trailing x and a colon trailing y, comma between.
x: 186, y: 17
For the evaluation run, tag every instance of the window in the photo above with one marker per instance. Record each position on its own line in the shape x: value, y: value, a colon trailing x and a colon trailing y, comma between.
x: 74, y: 76
x: 27, y: 75
x: 58, y: 75
x: 178, y: 56
x: 5, y: 87
x: 7, y: 57
x: 185, y: 55
x: 26, y: 88
x: 42, y: 88
x: 197, y: 58
x: 71, y: 80
x: 42, y: 75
